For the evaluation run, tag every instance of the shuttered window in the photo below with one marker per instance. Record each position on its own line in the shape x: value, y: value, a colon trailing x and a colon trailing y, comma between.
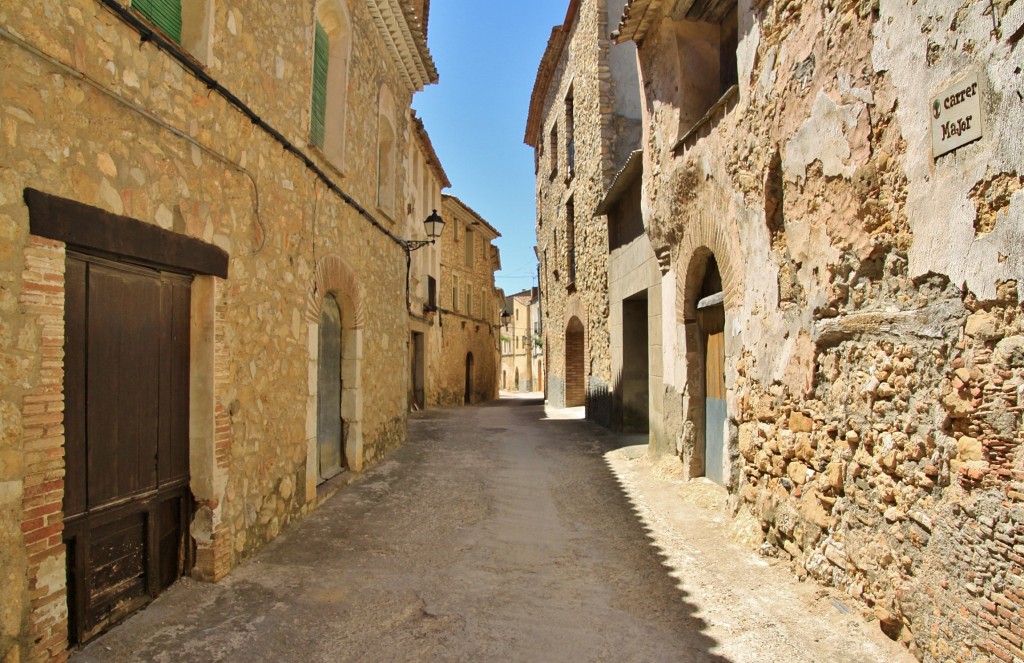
x: 321, y: 46
x: 164, y: 14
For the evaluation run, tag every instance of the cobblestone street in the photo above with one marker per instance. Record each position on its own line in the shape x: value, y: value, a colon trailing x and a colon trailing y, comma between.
x: 502, y: 532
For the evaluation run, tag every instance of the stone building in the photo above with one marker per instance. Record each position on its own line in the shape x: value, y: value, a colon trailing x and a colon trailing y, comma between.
x: 424, y: 182
x: 466, y: 368
x: 835, y: 190
x: 583, y: 123
x: 635, y: 308
x: 522, y: 361
x: 202, y: 287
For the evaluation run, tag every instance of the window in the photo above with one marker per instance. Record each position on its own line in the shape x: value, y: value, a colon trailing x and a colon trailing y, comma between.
x: 480, y: 306
x: 164, y: 14
x: 554, y: 152
x: 538, y: 156
x: 318, y: 106
x: 431, y: 292
x: 332, y: 45
x: 455, y: 293
x: 386, y: 148
x: 469, y: 248
x: 188, y: 23
x: 706, y: 54
x: 469, y: 300
x: 570, y: 135
x: 570, y: 240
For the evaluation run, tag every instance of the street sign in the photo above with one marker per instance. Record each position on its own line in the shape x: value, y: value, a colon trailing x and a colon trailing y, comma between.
x: 956, y: 115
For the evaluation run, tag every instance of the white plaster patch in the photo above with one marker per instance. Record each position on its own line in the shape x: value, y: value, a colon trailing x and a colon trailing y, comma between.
x: 746, y: 54
x: 939, y: 210
x: 111, y: 197
x: 822, y: 137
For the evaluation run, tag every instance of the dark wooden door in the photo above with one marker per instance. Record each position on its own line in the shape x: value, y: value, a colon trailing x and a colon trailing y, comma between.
x: 127, y: 502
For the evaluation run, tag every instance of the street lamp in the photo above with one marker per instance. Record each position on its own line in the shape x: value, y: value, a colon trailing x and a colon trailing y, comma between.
x: 505, y: 317
x: 434, y: 225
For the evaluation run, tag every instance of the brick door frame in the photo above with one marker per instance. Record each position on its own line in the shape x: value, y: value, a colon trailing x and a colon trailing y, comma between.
x: 53, y: 220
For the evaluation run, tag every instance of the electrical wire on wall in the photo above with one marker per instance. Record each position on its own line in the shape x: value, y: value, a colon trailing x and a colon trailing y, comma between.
x: 142, y: 112
x: 148, y: 34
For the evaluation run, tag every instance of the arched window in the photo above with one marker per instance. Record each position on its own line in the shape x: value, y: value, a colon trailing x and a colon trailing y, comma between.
x: 332, y: 47
x: 330, y: 428
x: 386, y: 151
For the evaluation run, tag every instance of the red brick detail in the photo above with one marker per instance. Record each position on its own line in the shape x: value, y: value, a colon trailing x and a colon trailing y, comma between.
x: 42, y: 419
x: 575, y: 364
x: 333, y: 275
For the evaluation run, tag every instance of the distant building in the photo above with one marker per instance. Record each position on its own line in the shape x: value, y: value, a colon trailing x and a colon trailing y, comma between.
x: 466, y: 368
x: 583, y: 123
x: 426, y: 179
x: 522, y: 357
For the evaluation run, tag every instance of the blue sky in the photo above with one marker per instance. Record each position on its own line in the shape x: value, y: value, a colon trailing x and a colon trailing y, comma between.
x: 487, y: 55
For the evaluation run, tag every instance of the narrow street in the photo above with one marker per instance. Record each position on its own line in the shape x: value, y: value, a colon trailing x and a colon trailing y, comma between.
x: 502, y: 533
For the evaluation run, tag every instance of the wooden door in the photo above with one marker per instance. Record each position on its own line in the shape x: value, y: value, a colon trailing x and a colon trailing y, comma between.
x: 330, y: 428
x: 127, y: 502
x: 713, y: 323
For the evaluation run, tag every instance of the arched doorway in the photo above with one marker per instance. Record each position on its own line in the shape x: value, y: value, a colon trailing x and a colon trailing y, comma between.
x: 575, y: 364
x: 468, y: 396
x: 516, y: 383
x: 330, y: 435
x: 710, y: 381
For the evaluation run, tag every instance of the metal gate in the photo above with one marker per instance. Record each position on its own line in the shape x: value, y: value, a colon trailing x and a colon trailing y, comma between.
x: 127, y: 502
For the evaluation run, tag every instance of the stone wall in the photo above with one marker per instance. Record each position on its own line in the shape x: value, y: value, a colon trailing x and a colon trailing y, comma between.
x: 93, y: 115
x: 873, y: 313
x: 467, y: 326
x: 603, y: 137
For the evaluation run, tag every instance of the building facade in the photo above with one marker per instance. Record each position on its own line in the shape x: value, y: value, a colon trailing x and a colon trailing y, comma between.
x: 425, y: 181
x: 584, y: 121
x: 202, y: 258
x: 835, y: 192
x: 466, y: 368
x: 522, y: 359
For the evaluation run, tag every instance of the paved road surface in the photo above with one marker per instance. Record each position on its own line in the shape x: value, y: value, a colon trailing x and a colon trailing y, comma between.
x: 496, y: 534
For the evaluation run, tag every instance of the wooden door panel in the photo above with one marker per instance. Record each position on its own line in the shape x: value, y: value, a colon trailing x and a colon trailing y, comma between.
x: 75, y: 497
x: 122, y: 384
x: 174, y: 381
x: 127, y: 499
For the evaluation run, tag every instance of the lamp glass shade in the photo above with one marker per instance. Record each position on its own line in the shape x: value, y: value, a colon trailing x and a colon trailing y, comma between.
x: 434, y: 225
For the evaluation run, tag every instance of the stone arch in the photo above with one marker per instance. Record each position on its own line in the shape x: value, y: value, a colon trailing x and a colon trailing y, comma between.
x: 575, y: 316
x: 711, y: 239
x: 335, y: 277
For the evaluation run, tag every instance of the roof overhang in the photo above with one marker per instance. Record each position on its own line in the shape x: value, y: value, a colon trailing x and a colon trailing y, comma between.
x: 624, y: 179
x: 477, y: 219
x: 404, y: 33
x: 639, y: 15
x: 433, y: 161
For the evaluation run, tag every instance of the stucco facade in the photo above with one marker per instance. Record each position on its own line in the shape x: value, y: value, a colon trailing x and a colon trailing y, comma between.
x: 106, y: 124
x: 868, y: 288
x: 465, y: 371
x: 583, y: 124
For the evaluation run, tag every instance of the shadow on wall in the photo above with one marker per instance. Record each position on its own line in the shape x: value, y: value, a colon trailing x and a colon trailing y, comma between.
x: 600, y: 403
x: 660, y: 600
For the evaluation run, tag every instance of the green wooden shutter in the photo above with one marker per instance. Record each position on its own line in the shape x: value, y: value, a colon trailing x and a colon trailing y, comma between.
x: 321, y: 46
x: 164, y: 14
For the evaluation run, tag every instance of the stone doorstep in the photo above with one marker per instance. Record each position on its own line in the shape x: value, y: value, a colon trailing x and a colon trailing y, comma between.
x: 333, y: 486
